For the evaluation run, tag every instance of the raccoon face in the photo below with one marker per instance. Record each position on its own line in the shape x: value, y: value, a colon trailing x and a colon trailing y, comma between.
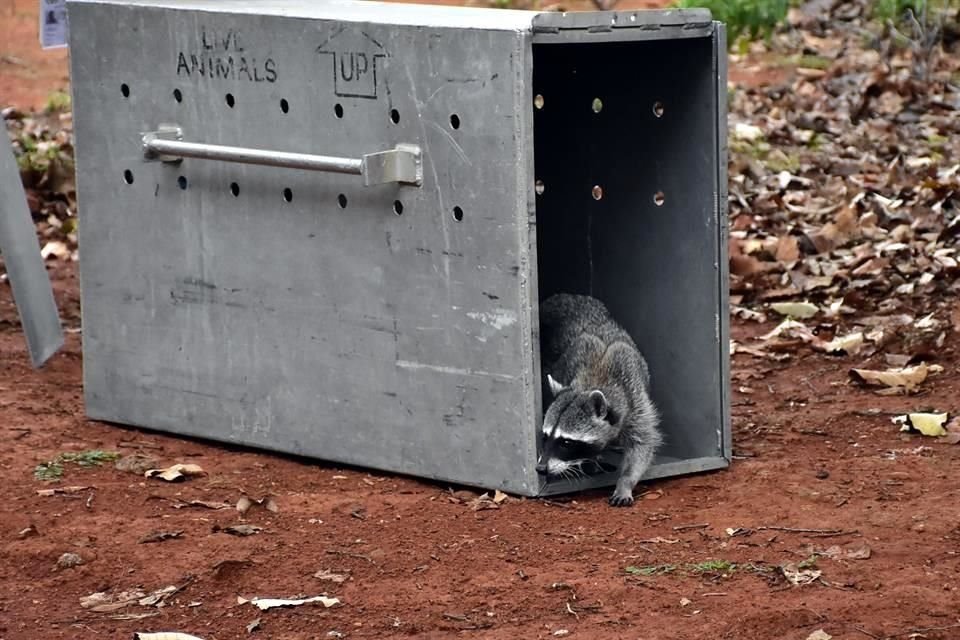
x: 576, y: 429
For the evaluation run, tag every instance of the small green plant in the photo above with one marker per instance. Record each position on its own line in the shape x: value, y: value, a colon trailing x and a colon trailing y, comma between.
x: 651, y: 570
x: 746, y: 20
x: 48, y: 471
x: 53, y: 469
x: 58, y: 102
x: 713, y: 566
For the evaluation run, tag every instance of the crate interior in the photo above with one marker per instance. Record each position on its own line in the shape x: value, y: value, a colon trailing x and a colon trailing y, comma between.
x: 625, y: 148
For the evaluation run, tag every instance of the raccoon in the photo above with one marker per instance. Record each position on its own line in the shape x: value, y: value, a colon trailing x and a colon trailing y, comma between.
x: 600, y: 386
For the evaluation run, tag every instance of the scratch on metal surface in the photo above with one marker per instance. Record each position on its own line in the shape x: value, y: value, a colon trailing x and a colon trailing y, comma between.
x: 453, y: 142
x: 428, y: 154
x: 457, y: 371
x: 498, y: 318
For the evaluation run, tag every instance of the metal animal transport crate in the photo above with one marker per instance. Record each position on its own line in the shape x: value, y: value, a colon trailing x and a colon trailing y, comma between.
x: 324, y: 228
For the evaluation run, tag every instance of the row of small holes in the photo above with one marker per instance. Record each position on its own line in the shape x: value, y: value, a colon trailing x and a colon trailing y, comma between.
x: 285, y: 106
x: 288, y: 195
x: 597, y: 105
x: 597, y: 193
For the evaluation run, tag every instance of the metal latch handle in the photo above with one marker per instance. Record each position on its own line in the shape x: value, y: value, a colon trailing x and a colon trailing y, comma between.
x: 401, y: 164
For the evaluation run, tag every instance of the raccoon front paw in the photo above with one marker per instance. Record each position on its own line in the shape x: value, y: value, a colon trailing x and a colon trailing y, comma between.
x: 621, y: 500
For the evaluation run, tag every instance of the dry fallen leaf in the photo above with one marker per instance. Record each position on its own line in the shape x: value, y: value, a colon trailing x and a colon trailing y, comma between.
x: 499, y: 496
x: 849, y: 344
x: 201, y: 503
x: 797, y: 576
x: 244, y: 504
x: 929, y: 424
x: 802, y: 310
x: 239, y: 529
x: 326, y: 574
x: 906, y: 379
x: 819, y: 634
x: 253, y: 626
x: 176, y: 473
x: 269, y: 603
x: 61, y: 491
x: 160, y: 536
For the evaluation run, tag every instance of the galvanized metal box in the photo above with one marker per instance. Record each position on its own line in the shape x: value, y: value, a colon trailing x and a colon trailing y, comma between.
x: 346, y: 260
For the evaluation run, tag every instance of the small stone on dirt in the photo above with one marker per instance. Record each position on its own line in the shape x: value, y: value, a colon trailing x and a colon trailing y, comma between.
x: 160, y: 536
x: 69, y: 560
x: 239, y: 529
x: 137, y: 463
x: 819, y: 634
x: 822, y: 474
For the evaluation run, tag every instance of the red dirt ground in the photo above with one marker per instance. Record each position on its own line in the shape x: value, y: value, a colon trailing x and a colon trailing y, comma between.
x: 812, y: 452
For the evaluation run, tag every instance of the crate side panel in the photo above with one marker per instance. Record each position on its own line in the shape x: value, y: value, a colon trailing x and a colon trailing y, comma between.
x: 327, y: 325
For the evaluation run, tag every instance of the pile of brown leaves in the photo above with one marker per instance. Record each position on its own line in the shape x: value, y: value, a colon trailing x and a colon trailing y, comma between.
x: 43, y: 147
x: 845, y: 183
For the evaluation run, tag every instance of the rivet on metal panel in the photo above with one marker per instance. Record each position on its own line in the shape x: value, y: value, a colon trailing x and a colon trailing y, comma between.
x: 342, y: 201
x: 235, y: 189
x: 398, y: 207
x: 538, y: 101
x: 597, y: 192
x: 394, y: 116
x: 230, y: 100
x: 658, y: 109
x: 287, y: 194
x: 597, y: 105
x: 539, y: 187
x: 284, y: 105
x: 338, y: 110
x: 128, y: 176
x: 178, y: 95
x: 182, y: 182
x: 455, y: 121
x: 458, y: 214
x: 125, y: 90
x: 659, y: 198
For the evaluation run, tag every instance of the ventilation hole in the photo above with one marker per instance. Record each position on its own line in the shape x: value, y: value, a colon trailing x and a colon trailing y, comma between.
x: 458, y: 214
x: 284, y: 105
x: 342, y: 201
x: 597, y: 192
x: 234, y: 189
x: 128, y: 176
x: 658, y: 109
x: 658, y: 198
x: 230, y: 100
x: 182, y: 182
x: 177, y: 95
x: 394, y: 116
x: 455, y: 121
x: 597, y: 105
x: 398, y: 207
x: 538, y: 101
x: 538, y: 187
x: 287, y: 194
x: 338, y: 110
x: 125, y: 90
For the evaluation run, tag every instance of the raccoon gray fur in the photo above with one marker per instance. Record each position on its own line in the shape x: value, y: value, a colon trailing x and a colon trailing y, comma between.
x: 600, y: 383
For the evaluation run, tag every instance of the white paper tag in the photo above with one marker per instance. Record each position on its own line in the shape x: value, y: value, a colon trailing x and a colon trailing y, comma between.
x: 53, y: 23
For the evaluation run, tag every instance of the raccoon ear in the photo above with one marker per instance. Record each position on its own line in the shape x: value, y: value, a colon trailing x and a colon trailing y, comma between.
x: 599, y: 403
x: 555, y: 387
